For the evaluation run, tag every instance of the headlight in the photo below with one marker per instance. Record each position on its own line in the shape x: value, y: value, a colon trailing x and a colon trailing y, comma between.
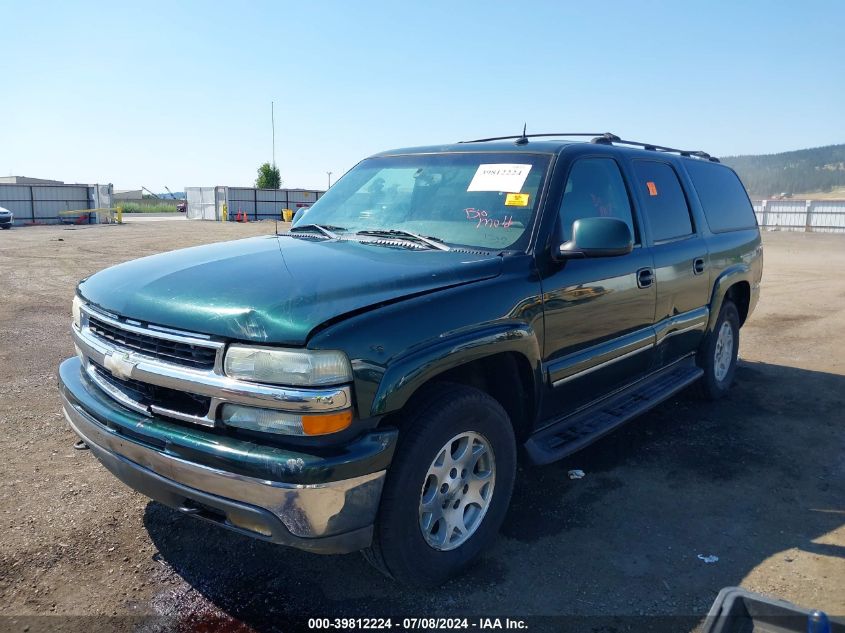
x: 283, y: 423
x: 287, y: 367
x: 76, y: 310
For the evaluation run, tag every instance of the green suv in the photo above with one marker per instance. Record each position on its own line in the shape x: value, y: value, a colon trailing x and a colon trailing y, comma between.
x: 365, y: 380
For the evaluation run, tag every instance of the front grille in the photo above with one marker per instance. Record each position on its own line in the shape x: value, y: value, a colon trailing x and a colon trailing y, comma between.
x: 148, y: 395
x: 196, y: 356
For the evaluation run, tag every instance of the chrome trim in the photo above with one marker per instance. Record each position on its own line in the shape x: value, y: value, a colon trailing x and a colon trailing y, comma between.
x: 307, y: 510
x: 695, y: 319
x: 149, y: 410
x: 577, y: 363
x: 114, y: 392
x: 590, y: 370
x: 697, y: 326
x: 218, y: 387
x: 156, y: 331
x: 168, y: 334
x: 178, y: 415
x: 653, y: 336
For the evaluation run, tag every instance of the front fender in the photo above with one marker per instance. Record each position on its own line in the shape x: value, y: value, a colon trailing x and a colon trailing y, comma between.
x: 408, y: 373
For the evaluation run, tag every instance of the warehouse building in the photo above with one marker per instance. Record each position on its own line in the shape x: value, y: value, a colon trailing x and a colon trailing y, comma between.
x: 26, y: 180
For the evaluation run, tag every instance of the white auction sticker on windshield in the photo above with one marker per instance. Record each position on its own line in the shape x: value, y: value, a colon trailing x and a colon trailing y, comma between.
x: 499, y: 177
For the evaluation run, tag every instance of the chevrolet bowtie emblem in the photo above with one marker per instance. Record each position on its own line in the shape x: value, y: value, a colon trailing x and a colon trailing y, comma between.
x: 120, y: 365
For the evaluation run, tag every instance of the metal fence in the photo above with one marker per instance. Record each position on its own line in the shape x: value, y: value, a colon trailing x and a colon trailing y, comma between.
x: 206, y: 203
x: 820, y: 216
x: 201, y: 203
x: 49, y: 204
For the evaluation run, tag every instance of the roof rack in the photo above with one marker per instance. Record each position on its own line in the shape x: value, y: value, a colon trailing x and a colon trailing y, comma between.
x: 602, y: 138
x: 527, y: 136
x: 611, y: 139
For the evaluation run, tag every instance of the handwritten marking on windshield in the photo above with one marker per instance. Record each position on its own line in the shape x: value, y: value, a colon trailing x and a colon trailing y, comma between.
x: 483, y: 219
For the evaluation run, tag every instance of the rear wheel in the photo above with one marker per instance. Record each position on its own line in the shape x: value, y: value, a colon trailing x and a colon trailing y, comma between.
x: 718, y: 354
x: 448, y: 487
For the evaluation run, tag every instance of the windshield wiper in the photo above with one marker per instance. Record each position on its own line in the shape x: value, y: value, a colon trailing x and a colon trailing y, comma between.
x: 433, y: 242
x: 325, y: 229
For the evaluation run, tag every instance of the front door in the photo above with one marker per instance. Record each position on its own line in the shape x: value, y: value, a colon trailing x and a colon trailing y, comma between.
x: 599, y: 311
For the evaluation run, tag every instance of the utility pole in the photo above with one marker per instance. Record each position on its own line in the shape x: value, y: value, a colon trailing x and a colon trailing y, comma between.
x: 273, y: 125
x: 329, y: 174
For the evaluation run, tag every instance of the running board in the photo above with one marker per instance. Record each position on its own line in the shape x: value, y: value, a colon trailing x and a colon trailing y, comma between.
x: 584, y: 427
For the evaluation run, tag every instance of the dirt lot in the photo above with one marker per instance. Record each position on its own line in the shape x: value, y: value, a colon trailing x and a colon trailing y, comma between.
x: 757, y: 479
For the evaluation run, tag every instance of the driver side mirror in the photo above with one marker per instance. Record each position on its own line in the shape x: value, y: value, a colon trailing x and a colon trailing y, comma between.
x: 597, y: 237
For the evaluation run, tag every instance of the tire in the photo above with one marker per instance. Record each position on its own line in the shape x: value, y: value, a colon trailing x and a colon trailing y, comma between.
x: 719, y: 365
x: 443, y: 413
x: 7, y: 226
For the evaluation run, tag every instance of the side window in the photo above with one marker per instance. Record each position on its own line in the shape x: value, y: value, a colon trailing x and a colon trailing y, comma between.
x: 665, y: 204
x: 594, y: 189
x: 722, y: 197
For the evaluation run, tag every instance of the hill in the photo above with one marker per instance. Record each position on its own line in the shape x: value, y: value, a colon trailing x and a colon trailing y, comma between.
x: 818, y: 169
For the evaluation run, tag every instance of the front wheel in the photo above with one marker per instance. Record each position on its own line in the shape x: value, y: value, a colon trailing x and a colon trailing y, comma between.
x: 448, y: 486
x: 718, y: 354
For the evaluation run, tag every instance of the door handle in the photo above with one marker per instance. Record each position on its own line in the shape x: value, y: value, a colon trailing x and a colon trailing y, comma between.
x: 645, y: 277
x: 698, y: 266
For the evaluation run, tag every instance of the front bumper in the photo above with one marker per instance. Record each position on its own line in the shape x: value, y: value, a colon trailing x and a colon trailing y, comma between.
x: 319, y: 503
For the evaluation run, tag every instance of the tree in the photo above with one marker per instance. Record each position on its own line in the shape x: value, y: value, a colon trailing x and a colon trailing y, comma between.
x: 268, y: 177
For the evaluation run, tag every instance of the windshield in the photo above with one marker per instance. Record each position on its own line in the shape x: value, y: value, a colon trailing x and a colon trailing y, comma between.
x: 481, y: 200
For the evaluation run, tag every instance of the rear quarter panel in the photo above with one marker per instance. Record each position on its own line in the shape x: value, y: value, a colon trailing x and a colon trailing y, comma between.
x: 733, y: 256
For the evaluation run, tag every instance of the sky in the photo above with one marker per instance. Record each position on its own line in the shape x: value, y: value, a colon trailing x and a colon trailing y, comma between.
x: 178, y: 93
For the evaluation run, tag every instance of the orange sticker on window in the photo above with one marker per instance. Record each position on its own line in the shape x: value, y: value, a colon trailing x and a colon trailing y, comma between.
x: 652, y: 188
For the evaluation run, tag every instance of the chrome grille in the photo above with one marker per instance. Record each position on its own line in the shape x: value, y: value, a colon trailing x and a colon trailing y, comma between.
x: 171, y: 351
x: 151, y: 398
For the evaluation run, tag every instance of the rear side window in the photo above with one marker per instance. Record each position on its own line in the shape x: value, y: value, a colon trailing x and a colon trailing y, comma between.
x: 722, y: 197
x: 665, y: 203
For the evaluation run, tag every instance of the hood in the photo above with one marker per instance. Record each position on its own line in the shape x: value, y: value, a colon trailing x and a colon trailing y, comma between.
x: 274, y: 289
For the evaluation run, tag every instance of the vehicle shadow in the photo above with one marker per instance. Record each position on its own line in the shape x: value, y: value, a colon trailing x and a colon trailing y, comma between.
x: 756, y: 479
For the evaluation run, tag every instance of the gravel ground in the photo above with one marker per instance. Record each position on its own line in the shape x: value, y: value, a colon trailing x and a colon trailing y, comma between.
x: 757, y: 479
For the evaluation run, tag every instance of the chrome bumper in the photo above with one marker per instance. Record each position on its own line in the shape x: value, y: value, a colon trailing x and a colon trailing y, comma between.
x: 331, y: 517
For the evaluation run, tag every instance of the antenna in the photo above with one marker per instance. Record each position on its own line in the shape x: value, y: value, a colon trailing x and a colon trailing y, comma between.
x: 522, y: 140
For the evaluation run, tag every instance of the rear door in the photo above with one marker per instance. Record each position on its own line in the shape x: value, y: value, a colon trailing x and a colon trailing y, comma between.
x: 681, y: 260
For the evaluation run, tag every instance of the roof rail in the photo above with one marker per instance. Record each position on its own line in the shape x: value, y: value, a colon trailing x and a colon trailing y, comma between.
x: 605, y: 140
x: 527, y: 136
x: 601, y: 138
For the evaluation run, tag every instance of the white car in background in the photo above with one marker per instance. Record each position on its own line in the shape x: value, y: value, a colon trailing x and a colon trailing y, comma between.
x: 6, y: 218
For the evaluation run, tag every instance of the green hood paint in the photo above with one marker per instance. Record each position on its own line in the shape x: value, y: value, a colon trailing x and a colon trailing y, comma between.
x: 275, y: 289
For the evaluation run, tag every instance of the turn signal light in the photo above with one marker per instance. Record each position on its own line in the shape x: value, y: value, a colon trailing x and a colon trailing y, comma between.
x: 284, y: 422
x: 326, y: 423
